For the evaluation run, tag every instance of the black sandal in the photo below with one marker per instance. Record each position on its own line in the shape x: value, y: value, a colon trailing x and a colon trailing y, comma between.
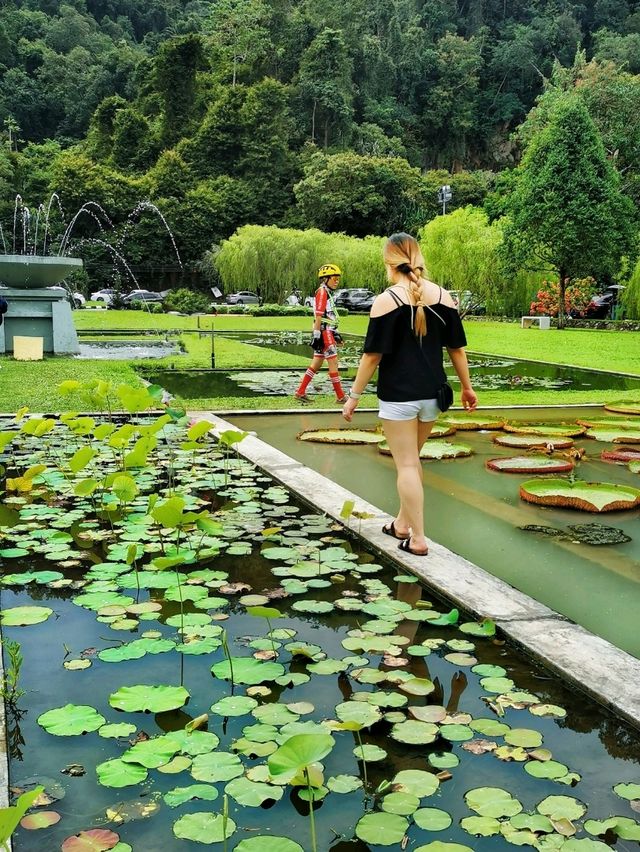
x: 405, y: 548
x: 390, y: 529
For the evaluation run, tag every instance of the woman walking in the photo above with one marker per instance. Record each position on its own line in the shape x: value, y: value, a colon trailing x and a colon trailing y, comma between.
x: 325, y: 339
x: 409, y: 324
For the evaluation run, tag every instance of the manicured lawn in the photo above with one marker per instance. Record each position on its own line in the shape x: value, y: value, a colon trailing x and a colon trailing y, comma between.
x: 34, y: 383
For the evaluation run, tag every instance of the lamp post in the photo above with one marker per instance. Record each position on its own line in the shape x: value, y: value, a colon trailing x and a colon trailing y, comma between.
x: 444, y: 195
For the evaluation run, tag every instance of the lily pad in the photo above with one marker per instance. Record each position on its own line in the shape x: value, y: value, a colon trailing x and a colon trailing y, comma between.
x: 117, y: 773
x: 204, y: 827
x: 413, y: 732
x: 481, y: 826
x: 71, y: 720
x: 553, y: 442
x: 562, y: 807
x: 382, y: 829
x: 148, y: 698
x: 252, y: 794
x: 344, y: 783
x: 234, y: 705
x: 627, y: 791
x: 93, y: 840
x: 247, y: 670
x: 341, y: 436
x: 436, y: 450
x: 22, y: 616
x: 180, y: 795
x: 492, y: 802
x: 216, y: 766
x: 268, y: 843
x: 586, y: 496
x: 432, y: 819
x: 416, y: 781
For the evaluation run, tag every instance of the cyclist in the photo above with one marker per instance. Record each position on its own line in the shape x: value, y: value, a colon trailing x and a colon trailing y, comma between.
x: 325, y: 339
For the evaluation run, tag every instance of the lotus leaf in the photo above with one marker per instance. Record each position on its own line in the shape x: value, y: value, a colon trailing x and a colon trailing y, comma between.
x: 274, y: 714
x: 546, y: 769
x: 548, y: 710
x: 533, y: 822
x: 416, y: 781
x: 234, y: 705
x: 414, y: 732
x: 417, y: 686
x: 430, y: 713
x: 585, y: 845
x: 480, y: 826
x: 252, y: 794
x: 71, y: 720
x: 497, y: 684
x: 175, y: 765
x: 22, y: 616
x: 344, y: 783
x: 400, y: 803
x: 180, y: 795
x: 77, y: 665
x: 264, y: 843
x: 148, y: 698
x: 216, y: 766
x: 151, y: 753
x: 298, y: 752
x: 461, y: 645
x: 627, y: 791
x: 492, y: 802
x: 523, y: 737
x: 41, y: 819
x: 117, y: 773
x: 129, y: 651
x: 122, y: 729
x: 561, y: 807
x: 461, y: 659
x: 93, y: 840
x: 625, y: 828
x: 489, y: 727
x: 369, y: 753
x: 204, y: 827
x: 382, y: 829
x: 362, y: 714
x: 247, y: 670
x: 456, y: 733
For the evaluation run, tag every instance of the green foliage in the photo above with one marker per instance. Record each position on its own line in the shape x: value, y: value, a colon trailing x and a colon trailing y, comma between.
x: 278, y: 260
x: 461, y: 251
x: 9, y: 689
x: 631, y: 295
x: 175, y: 76
x: 187, y: 301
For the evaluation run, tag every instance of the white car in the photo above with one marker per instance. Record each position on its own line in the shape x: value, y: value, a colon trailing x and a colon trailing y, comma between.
x: 105, y: 295
x: 77, y: 300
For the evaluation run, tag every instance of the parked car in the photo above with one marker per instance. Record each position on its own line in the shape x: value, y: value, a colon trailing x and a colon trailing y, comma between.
x: 243, y: 297
x: 105, y: 295
x: 602, y: 305
x: 77, y: 300
x: 355, y: 299
x: 142, y: 296
x: 468, y: 303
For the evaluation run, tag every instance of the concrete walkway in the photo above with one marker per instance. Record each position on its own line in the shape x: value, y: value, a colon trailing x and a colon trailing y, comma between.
x: 595, y: 666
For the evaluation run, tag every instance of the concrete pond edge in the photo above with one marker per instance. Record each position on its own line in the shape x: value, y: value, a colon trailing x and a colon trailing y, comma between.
x: 595, y: 666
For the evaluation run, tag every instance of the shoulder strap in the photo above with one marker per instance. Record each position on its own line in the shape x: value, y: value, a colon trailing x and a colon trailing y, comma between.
x: 395, y: 297
x: 440, y: 296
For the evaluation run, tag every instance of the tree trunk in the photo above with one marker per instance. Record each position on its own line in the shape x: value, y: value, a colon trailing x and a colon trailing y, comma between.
x: 313, y: 121
x: 564, y: 280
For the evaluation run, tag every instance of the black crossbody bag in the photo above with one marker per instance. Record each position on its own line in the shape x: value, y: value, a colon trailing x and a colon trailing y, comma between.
x: 444, y: 394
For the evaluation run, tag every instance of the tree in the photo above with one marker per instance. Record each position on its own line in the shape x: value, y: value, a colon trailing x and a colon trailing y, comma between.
x: 239, y: 32
x: 175, y: 75
x: 567, y: 211
x: 326, y: 86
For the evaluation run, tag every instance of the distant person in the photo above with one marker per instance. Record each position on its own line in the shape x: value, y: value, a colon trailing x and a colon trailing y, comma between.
x: 409, y: 324
x: 325, y: 338
x: 4, y: 307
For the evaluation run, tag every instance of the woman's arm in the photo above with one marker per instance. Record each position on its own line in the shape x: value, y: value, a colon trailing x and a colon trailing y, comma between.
x: 468, y: 396
x: 367, y: 367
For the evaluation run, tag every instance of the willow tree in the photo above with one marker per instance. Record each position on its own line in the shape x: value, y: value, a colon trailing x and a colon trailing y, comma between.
x: 567, y: 211
x: 276, y: 261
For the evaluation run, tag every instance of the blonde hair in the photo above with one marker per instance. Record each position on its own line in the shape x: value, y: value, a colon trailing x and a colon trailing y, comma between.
x: 402, y: 253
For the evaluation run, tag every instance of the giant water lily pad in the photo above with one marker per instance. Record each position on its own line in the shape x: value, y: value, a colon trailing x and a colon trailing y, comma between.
x: 341, y: 436
x: 586, y: 496
x: 529, y: 464
x: 567, y: 430
x: 621, y: 455
x: 71, y: 720
x: 204, y: 827
x: 623, y: 407
x: 555, y: 442
x: 436, y: 450
x: 472, y: 422
x: 148, y: 699
x: 22, y: 616
x: 615, y: 436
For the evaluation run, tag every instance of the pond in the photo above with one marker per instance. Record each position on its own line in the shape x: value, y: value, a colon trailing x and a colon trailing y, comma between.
x: 126, y: 350
x: 426, y: 725
x: 478, y: 514
x: 489, y: 372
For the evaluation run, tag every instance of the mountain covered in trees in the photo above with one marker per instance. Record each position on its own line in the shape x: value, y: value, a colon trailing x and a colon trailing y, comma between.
x: 345, y: 116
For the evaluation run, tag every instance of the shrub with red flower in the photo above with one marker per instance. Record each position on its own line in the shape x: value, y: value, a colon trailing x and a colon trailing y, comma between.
x: 577, y: 296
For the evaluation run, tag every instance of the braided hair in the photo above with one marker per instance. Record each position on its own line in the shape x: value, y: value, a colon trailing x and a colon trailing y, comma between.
x: 402, y: 253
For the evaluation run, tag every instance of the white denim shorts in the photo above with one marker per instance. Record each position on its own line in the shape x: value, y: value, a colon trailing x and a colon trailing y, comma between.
x: 426, y: 410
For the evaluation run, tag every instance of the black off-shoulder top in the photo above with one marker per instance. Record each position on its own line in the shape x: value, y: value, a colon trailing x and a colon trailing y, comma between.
x: 405, y: 373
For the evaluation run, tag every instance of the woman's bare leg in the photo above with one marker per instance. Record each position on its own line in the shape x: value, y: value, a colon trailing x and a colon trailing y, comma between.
x: 405, y: 438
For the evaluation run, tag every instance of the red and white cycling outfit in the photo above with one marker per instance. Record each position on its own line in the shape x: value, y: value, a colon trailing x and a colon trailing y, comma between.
x: 325, y: 308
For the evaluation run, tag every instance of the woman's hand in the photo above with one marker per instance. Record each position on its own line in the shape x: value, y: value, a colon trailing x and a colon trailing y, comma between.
x: 468, y: 399
x: 348, y: 408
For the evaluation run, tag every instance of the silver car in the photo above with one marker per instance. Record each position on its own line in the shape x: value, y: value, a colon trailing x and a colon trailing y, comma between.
x: 243, y: 297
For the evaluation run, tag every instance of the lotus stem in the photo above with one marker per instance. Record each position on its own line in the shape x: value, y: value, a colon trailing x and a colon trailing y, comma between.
x: 364, y: 764
x: 312, y: 821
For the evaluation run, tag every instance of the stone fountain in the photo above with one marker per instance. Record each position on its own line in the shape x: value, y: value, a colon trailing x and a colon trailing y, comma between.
x: 36, y: 308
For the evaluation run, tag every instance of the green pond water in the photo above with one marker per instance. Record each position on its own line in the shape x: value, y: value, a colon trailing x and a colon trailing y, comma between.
x: 583, y: 738
x: 476, y: 513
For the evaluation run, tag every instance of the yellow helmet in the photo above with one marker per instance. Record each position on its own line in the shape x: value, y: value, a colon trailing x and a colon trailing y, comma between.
x: 328, y: 270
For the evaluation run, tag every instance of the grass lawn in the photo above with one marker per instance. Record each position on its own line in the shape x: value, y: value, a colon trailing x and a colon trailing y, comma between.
x: 34, y: 383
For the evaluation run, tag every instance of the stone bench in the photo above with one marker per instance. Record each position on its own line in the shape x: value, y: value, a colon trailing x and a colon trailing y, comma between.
x: 541, y: 322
